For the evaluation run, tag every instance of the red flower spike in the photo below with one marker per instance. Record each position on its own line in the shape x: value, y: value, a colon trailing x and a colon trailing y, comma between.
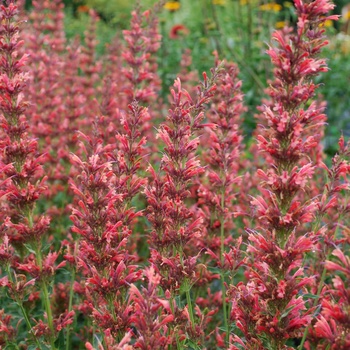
x: 143, y: 41
x: 290, y: 134
x: 173, y: 223
x: 151, y: 331
x: 21, y: 164
x: 104, y: 218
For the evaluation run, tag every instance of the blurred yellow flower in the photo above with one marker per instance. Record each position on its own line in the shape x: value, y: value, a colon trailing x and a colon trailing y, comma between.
x: 219, y: 2
x: 280, y: 24
x: 172, y: 5
x: 272, y: 6
x: 346, y: 16
x: 328, y: 23
x: 253, y: 2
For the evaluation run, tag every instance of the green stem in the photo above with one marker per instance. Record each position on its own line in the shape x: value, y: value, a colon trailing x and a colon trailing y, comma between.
x: 24, y: 312
x: 48, y: 313
x: 28, y: 322
x: 224, y: 307
x: 223, y: 289
x: 70, y: 306
x: 46, y: 299
x: 189, y: 305
x: 188, y: 295
x: 178, y: 345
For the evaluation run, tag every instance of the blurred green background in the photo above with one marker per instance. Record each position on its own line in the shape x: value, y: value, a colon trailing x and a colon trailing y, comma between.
x: 240, y: 31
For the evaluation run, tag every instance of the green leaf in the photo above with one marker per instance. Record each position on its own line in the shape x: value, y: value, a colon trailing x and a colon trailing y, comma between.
x: 287, y: 311
x: 310, y: 296
x: 29, y: 248
x: 189, y: 344
x: 59, y: 343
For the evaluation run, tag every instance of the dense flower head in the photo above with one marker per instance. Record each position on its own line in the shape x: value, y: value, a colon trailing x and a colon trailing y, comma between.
x: 180, y: 166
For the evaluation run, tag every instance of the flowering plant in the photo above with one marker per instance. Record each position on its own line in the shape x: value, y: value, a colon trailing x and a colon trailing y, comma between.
x: 132, y: 222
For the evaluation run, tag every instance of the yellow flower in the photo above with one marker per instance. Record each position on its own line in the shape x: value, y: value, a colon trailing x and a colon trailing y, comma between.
x: 328, y: 23
x: 280, y: 24
x: 346, y: 16
x: 252, y: 2
x: 219, y: 2
x: 172, y: 5
x: 272, y: 6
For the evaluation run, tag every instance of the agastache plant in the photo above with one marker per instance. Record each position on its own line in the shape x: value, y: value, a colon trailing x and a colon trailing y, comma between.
x: 176, y: 233
x: 104, y: 217
x: 174, y: 225
x: 141, y: 82
x: 331, y: 328
x: 151, y: 314
x: 220, y: 182
x: 277, y: 279
x: 102, y: 256
x: 142, y: 42
x: 29, y: 268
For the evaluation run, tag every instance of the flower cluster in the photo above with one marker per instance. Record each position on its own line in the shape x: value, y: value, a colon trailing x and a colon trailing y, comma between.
x: 133, y: 221
x: 219, y: 184
x: 282, y: 238
x: 28, y: 265
x: 174, y: 225
x: 103, y: 217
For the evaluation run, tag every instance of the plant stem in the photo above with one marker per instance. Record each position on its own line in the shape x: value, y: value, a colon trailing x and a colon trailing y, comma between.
x: 28, y: 322
x: 189, y: 305
x: 188, y: 295
x: 46, y: 298
x: 70, y: 306
x: 49, y: 314
x: 24, y: 312
x: 223, y: 288
x: 178, y: 345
